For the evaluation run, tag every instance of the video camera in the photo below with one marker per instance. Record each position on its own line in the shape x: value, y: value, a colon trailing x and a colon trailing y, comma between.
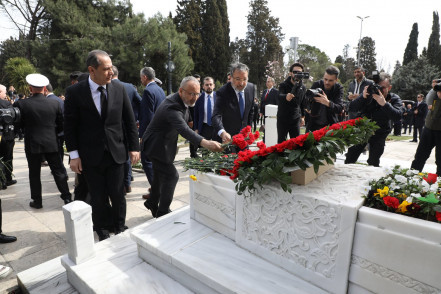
x: 299, y: 76
x: 8, y: 117
x: 374, y: 88
x: 311, y: 93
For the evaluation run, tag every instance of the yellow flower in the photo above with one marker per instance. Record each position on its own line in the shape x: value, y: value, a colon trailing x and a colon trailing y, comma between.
x: 382, y: 192
x: 193, y: 177
x: 403, y: 206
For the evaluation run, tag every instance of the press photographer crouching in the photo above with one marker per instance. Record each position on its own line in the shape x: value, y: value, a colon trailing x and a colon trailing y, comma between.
x: 382, y: 107
x: 290, y: 113
x: 325, y: 99
x: 431, y: 134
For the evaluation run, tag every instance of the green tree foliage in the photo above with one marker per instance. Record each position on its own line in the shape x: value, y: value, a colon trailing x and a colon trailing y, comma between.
x: 215, y: 56
x: 367, y: 54
x: 8, y: 49
x: 314, y: 60
x: 16, y: 70
x: 188, y: 21
x: 262, y: 43
x: 434, y: 48
x: 414, y: 78
x: 411, y: 51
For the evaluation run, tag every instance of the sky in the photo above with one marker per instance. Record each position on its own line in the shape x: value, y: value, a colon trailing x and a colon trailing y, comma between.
x: 327, y: 25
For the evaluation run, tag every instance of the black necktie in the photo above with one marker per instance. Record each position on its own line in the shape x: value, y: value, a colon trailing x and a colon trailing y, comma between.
x: 103, y: 102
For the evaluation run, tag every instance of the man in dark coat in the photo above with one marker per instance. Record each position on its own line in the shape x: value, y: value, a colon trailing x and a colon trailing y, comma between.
x: 7, y: 144
x: 160, y: 143
x: 100, y: 131
x: 233, y: 109
x: 42, y: 120
x: 420, y: 110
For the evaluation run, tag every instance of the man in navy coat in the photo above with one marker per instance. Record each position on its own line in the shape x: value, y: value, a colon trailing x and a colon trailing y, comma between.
x: 233, y: 109
x: 420, y: 110
x: 152, y: 97
x: 203, y: 111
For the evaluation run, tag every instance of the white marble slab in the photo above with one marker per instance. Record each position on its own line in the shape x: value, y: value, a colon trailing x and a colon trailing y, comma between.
x: 396, y: 252
x: 271, y: 125
x: 79, y: 231
x: 118, y: 269
x: 214, y: 261
x: 308, y: 232
x: 213, y: 203
x: 46, y: 278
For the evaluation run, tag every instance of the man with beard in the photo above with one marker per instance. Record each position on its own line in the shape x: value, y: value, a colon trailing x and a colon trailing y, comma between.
x: 160, y: 143
x: 327, y: 105
x: 203, y: 111
x: 356, y: 87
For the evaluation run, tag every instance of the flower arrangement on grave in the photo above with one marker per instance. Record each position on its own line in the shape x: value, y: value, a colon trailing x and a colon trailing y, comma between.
x: 408, y: 192
x: 253, y: 168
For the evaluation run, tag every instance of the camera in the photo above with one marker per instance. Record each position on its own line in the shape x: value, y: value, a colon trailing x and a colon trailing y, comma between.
x: 8, y: 117
x: 301, y: 76
x: 374, y: 88
x: 437, y: 87
x: 311, y: 93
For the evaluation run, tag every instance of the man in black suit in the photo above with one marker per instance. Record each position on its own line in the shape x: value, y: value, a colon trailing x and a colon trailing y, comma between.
x: 160, y: 143
x: 269, y: 96
x: 42, y: 120
x: 233, y: 109
x: 420, y: 110
x: 99, y: 124
x: 203, y: 111
x: 7, y: 144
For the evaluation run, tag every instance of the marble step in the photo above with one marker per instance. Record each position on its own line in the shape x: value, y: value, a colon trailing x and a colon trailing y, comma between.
x: 117, y: 268
x: 207, y: 262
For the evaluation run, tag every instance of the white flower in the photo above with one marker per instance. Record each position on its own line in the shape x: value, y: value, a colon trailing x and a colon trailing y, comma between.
x: 365, y: 189
x: 411, y: 172
x: 425, y: 186
x: 387, y: 170
x: 394, y: 186
x: 409, y: 199
x: 434, y: 188
x: 416, y: 195
x: 401, y: 179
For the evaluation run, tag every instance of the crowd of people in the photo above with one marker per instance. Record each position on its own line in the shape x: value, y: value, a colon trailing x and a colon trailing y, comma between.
x: 106, y: 126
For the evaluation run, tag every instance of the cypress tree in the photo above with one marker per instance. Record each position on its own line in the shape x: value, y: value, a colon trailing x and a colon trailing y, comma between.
x: 411, y: 51
x: 433, y: 48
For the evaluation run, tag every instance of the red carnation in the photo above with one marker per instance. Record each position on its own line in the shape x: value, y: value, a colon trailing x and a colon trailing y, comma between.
x: 261, y: 145
x: 431, y: 178
x: 391, y: 202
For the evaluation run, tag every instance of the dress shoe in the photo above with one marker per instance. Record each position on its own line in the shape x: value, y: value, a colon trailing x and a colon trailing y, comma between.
x: 151, y: 207
x: 35, y: 205
x: 160, y: 213
x: 7, y: 239
x: 11, y: 182
x: 67, y: 199
x: 128, y: 189
x: 102, y: 234
x: 146, y: 196
x: 131, y: 179
x: 413, y: 141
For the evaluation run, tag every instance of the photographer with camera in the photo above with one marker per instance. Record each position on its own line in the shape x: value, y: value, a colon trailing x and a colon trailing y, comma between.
x: 290, y: 113
x: 381, y: 106
x: 431, y: 134
x: 325, y: 100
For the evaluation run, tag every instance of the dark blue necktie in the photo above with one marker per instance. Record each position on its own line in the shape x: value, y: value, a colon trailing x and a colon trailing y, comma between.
x: 241, y: 104
x: 209, y: 110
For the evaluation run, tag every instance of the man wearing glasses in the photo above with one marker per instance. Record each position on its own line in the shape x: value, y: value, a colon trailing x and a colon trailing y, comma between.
x: 233, y: 109
x: 160, y: 141
x: 292, y: 104
x: 383, y: 108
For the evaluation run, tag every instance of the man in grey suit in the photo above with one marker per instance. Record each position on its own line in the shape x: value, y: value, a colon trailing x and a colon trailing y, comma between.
x: 233, y: 109
x: 160, y: 140
x: 42, y: 120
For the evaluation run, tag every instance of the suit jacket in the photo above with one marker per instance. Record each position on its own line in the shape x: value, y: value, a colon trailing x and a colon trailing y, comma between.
x: 271, y: 99
x: 42, y: 120
x: 8, y: 134
x: 85, y: 131
x: 226, y: 113
x: 61, y: 102
x: 199, y: 111
x: 160, y: 140
x: 420, y: 117
x: 134, y: 97
x: 151, y: 99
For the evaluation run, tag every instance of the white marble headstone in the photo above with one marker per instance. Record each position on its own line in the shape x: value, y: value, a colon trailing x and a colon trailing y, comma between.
x: 79, y: 231
x: 271, y: 125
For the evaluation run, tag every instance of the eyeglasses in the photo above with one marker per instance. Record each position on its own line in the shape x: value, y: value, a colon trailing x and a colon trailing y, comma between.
x: 195, y: 95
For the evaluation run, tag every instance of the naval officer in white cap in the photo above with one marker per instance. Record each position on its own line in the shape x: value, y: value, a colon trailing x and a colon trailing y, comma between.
x: 42, y: 120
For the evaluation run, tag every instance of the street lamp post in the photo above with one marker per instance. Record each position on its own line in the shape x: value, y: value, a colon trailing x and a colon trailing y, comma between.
x: 359, y: 40
x: 170, y: 67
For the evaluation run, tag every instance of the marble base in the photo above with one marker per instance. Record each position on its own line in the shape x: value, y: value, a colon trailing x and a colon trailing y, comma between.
x: 117, y: 268
x: 208, y: 262
x: 396, y: 254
